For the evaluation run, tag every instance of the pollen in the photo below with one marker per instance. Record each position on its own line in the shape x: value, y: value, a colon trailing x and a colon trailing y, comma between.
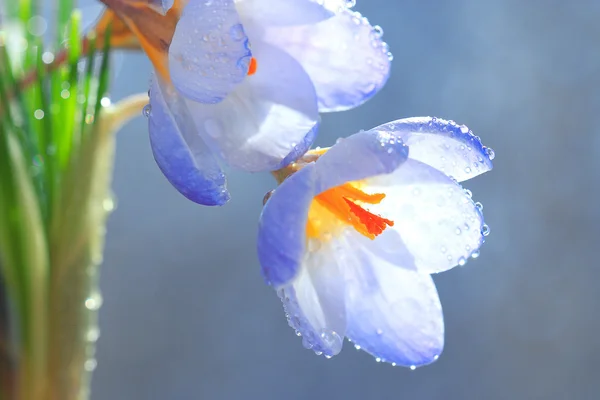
x: 342, y: 206
x: 253, y: 67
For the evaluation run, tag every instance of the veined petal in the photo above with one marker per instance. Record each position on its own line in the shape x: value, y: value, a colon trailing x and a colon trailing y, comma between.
x: 209, y: 54
x: 451, y: 148
x: 286, y: 12
x: 264, y: 120
x: 393, y: 311
x: 282, y: 226
x: 360, y: 156
x: 436, y: 219
x: 181, y: 154
x: 314, y: 302
x: 344, y: 56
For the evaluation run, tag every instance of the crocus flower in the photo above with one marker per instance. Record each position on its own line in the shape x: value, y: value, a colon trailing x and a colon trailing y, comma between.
x: 244, y: 82
x: 349, y: 241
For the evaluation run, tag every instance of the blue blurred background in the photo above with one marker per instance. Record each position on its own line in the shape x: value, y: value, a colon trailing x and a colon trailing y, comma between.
x: 186, y: 314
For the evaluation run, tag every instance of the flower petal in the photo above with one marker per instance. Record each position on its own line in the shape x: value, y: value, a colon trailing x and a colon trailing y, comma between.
x: 282, y: 226
x: 436, y: 219
x: 360, y: 156
x: 344, y: 56
x: 283, y: 13
x: 258, y: 125
x: 451, y: 148
x: 393, y: 311
x: 181, y: 154
x: 209, y: 54
x: 314, y: 302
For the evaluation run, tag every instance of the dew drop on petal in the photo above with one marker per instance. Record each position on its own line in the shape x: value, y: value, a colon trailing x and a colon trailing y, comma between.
x: 485, y: 230
x: 146, y: 110
x: 462, y: 261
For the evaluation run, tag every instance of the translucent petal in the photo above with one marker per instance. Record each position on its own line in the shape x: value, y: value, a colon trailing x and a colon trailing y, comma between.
x: 451, y: 148
x: 344, y: 56
x: 209, y: 55
x: 181, y: 154
x: 284, y: 13
x: 393, y: 311
x: 314, y: 302
x: 264, y: 120
x: 282, y: 226
x: 360, y: 156
x: 436, y: 219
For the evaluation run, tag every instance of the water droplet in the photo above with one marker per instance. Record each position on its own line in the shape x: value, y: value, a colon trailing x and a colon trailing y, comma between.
x: 443, y: 249
x: 332, y: 341
x: 38, y: 160
x: 90, y: 364
x: 37, y: 25
x: 92, y: 335
x: 377, y: 31
x: 468, y: 193
x: 475, y: 254
x: 394, y: 364
x: 464, y: 129
x: 47, y: 57
x: 378, y: 359
x: 147, y: 110
x: 490, y: 153
x: 462, y: 261
x: 458, y: 231
x: 237, y: 32
x: 94, y: 302
x: 413, y: 367
x: 485, y: 230
x: 350, y: 3
x: 357, y: 347
x: 479, y: 206
x: 268, y: 196
x: 108, y: 204
x: 468, y: 170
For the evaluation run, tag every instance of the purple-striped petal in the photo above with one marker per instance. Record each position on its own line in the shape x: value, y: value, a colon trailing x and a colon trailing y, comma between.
x: 282, y: 226
x: 451, y: 148
x: 181, y: 154
x: 209, y: 55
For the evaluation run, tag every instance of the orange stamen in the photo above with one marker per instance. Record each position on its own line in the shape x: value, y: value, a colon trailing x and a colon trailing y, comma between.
x: 338, y: 206
x: 374, y: 224
x: 253, y: 66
